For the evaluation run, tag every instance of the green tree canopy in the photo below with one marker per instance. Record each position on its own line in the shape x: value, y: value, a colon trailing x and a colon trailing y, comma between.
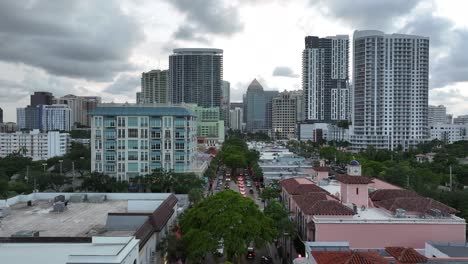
x: 228, y: 216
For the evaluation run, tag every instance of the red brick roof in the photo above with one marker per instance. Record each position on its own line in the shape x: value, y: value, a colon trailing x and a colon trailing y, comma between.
x: 348, y: 179
x: 293, y: 187
x: 385, y: 194
x: 320, y: 168
x: 317, y: 203
x: 415, y: 204
x: 348, y: 257
x: 406, y: 255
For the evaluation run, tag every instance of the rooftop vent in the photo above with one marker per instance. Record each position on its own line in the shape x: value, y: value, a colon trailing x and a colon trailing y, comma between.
x: 59, y: 198
x: 400, y: 213
x: 59, y: 207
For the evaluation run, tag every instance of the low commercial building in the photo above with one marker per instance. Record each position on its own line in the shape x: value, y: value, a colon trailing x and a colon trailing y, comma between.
x: 34, y: 144
x: 121, y: 228
x: 368, y: 213
x: 129, y: 140
x: 317, y: 132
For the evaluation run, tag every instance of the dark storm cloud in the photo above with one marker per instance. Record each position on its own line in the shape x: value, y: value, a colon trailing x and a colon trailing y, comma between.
x: 125, y: 84
x: 449, y: 59
x: 365, y: 14
x: 206, y: 17
x: 284, y: 71
x: 80, y: 39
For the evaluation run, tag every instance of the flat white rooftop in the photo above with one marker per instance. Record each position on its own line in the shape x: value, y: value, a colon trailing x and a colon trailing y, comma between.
x: 76, y: 221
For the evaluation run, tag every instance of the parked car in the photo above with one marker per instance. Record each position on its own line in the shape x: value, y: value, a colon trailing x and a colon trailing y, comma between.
x: 250, y: 253
x: 228, y: 179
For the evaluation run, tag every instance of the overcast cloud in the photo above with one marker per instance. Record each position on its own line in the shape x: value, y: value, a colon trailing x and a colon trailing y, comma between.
x: 101, y: 47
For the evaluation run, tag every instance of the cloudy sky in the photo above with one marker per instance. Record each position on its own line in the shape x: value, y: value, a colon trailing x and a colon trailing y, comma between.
x: 100, y: 47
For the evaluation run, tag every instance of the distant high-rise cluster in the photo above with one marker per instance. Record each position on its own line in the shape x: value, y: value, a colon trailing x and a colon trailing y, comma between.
x: 155, y: 87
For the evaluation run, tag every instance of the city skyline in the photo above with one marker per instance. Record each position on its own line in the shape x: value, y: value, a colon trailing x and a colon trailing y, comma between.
x: 112, y: 70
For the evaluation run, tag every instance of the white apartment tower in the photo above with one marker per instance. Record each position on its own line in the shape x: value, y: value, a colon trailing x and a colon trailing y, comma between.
x: 236, y: 118
x: 325, y: 78
x: 437, y: 114
x: 390, y: 92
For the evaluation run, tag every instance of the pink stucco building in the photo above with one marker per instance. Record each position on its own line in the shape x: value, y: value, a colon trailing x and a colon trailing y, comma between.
x: 368, y: 213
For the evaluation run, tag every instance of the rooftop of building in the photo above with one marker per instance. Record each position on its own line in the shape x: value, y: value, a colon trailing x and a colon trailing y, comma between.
x: 455, y: 250
x: 142, y: 110
x: 198, y: 51
x: 79, y: 218
x: 383, y: 207
x: 348, y: 257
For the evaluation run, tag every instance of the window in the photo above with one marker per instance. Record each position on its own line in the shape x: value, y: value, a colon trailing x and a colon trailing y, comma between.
x: 144, y: 144
x: 179, y: 157
x: 121, y: 156
x: 110, y: 134
x: 167, y: 134
x: 357, y: 191
x: 179, y: 122
x: 110, y: 156
x: 121, y: 144
x: 144, y: 156
x: 155, y: 157
x: 109, y: 123
x: 132, y: 133
x: 132, y: 144
x: 144, y: 121
x: 133, y: 155
x: 110, y: 145
x: 98, y: 121
x: 121, y: 121
x: 167, y: 157
x: 98, y: 133
x: 155, y: 122
x: 144, y: 133
x: 121, y: 133
x: 98, y: 156
x: 132, y: 167
x: 179, y: 135
x: 156, y: 145
x: 133, y: 121
x: 167, y: 121
x: 167, y: 144
x: 179, y: 146
x: 110, y: 168
x: 156, y: 134
x: 98, y: 144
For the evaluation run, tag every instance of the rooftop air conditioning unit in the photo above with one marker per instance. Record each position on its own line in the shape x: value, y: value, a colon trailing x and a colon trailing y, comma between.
x: 400, y: 213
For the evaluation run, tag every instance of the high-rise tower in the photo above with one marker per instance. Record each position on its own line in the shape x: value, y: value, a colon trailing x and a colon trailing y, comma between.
x: 390, y: 92
x: 155, y: 87
x: 325, y: 78
x: 195, y: 76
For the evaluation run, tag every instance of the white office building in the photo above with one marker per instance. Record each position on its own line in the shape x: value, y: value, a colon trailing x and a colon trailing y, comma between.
x: 35, y: 145
x: 128, y: 140
x: 390, y: 92
x: 437, y: 114
x: 236, y: 118
x: 56, y: 117
x: 449, y: 133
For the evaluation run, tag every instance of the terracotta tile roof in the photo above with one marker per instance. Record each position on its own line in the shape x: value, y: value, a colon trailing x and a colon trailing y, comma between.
x: 385, y: 194
x: 317, y: 203
x: 320, y: 168
x: 157, y: 220
x: 293, y: 187
x: 348, y: 179
x: 415, y: 204
x: 406, y: 255
x: 348, y: 257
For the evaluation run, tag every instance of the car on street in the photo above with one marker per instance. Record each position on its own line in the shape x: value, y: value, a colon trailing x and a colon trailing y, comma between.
x: 228, y: 179
x: 250, y: 253
x: 249, y: 184
x: 227, y: 186
x: 251, y: 191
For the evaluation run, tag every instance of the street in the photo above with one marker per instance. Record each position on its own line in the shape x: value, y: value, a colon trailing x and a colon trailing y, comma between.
x: 268, y: 250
